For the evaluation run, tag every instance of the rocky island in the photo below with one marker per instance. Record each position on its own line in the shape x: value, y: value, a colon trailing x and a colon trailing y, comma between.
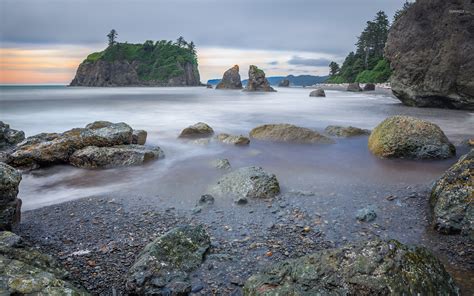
x: 161, y: 63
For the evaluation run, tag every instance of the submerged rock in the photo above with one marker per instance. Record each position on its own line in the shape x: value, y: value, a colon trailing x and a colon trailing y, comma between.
x: 25, y: 271
x: 10, y: 205
x: 431, y: 53
x: 115, y: 156
x: 319, y: 92
x: 355, y: 87
x: 248, y: 182
x: 235, y: 140
x: 9, y: 137
x: 284, y: 83
x: 163, y: 267
x: 222, y: 164
x: 198, y: 130
x: 368, y: 268
x: 366, y: 214
x: 257, y: 80
x: 345, y: 131
x: 452, y: 198
x: 206, y: 199
x: 410, y: 137
x: 139, y: 137
x: 288, y: 133
x: 231, y: 79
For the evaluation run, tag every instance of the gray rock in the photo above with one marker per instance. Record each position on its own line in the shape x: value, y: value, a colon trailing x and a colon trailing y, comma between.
x: 368, y: 268
x: 198, y: 130
x: 369, y: 87
x: 354, y: 87
x: 410, y: 137
x: 319, y: 92
x: 206, y: 199
x: 288, y: 133
x: 366, y: 214
x: 284, y: 83
x: 139, y: 137
x: 248, y: 182
x: 163, y: 267
x: 257, y: 80
x: 9, y: 137
x: 231, y: 79
x: 345, y: 131
x: 452, y: 198
x: 431, y: 53
x: 234, y: 140
x: 222, y: 164
x: 241, y: 200
x: 115, y: 156
x: 9, y: 240
x: 10, y: 205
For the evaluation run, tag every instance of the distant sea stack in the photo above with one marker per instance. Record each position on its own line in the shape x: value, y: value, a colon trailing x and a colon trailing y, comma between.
x: 257, y: 80
x: 431, y: 52
x: 231, y: 79
x: 163, y: 63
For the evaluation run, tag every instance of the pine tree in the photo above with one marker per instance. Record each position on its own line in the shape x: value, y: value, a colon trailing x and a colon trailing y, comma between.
x: 333, y: 69
x: 112, y: 36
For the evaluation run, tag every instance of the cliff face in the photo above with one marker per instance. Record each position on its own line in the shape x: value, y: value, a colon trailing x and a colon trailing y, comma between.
x: 431, y: 52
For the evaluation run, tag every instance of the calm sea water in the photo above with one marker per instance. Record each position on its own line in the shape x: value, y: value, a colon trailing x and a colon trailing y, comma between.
x: 186, y: 171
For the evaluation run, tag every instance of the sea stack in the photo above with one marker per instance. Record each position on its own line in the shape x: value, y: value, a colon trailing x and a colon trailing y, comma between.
x: 431, y: 53
x: 231, y: 79
x: 257, y: 80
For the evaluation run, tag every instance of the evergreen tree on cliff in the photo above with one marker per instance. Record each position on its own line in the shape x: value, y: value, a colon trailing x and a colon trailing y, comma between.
x: 112, y: 36
x: 333, y: 69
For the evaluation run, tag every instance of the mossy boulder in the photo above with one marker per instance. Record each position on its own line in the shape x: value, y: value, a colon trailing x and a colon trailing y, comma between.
x: 345, y: 131
x: 452, y: 198
x: 25, y: 271
x: 234, y: 140
x: 288, y: 133
x: 198, y: 130
x: 163, y: 267
x: 368, y: 268
x: 410, y: 137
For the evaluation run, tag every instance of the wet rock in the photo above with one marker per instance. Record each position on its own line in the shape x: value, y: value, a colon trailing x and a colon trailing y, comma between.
x: 198, y: 130
x: 234, y: 140
x: 345, y: 131
x: 9, y: 137
x: 284, y: 83
x: 319, y: 92
x: 99, y: 124
x: 115, y: 156
x: 369, y: 87
x: 241, y: 200
x: 206, y: 199
x: 48, y: 149
x: 431, y: 53
x: 257, y: 80
x: 452, y: 198
x: 139, y: 137
x: 366, y: 214
x: 355, y: 87
x: 248, y: 182
x: 409, y: 137
x: 231, y: 79
x: 288, y: 133
x: 163, y: 267
x: 222, y: 164
x: 369, y: 268
x: 10, y: 205
x: 28, y: 272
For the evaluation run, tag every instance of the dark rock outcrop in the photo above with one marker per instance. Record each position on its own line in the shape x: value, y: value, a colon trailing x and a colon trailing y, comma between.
x: 410, y: 137
x: 288, y: 133
x: 284, y: 83
x: 452, y: 198
x: 163, y: 267
x: 345, y: 131
x: 354, y: 87
x: 235, y: 140
x: 9, y: 137
x: 257, y: 80
x: 369, y: 87
x: 198, y: 130
x: 231, y: 79
x: 319, y: 92
x: 10, y: 205
x: 368, y: 268
x: 431, y: 53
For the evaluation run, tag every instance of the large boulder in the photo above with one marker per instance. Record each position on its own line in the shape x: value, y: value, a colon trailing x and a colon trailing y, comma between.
x: 288, y: 133
x: 247, y: 182
x: 345, y: 131
x: 231, y: 79
x: 284, y: 83
x: 452, y: 198
x: 10, y: 205
x: 25, y: 271
x: 431, y: 53
x: 48, y: 149
x: 163, y: 267
x: 369, y: 87
x: 257, y: 80
x: 115, y: 156
x: 354, y: 87
x: 198, y: 130
x: 368, y: 268
x: 234, y: 140
x: 9, y: 137
x: 410, y: 137
x: 319, y: 92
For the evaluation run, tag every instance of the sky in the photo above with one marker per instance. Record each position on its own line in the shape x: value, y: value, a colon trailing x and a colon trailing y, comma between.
x: 43, y: 41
